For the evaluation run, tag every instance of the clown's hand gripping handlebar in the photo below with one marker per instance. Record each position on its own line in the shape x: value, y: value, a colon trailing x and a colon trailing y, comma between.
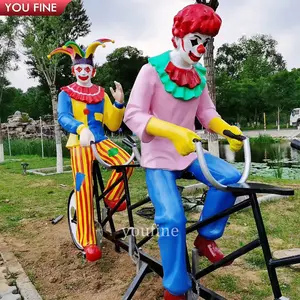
x: 129, y: 142
x: 205, y: 170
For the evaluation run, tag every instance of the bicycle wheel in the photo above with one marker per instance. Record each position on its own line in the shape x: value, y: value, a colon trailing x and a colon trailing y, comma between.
x: 72, y: 220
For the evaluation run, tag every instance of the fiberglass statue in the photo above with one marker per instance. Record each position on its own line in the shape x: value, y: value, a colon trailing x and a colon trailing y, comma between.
x: 83, y: 110
x: 169, y: 92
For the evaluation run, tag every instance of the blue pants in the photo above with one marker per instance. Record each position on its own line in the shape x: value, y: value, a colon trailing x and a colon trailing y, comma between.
x: 171, y: 220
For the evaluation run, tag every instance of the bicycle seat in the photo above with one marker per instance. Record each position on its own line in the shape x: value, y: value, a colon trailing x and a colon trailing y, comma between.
x: 251, y: 188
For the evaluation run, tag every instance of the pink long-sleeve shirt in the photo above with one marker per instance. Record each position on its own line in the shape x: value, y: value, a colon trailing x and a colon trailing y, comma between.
x: 148, y: 98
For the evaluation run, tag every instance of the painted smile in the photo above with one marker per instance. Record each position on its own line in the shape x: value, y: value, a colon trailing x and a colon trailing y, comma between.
x: 83, y: 78
x: 193, y: 57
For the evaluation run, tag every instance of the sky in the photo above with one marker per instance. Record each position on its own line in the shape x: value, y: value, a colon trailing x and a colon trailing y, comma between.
x: 147, y: 25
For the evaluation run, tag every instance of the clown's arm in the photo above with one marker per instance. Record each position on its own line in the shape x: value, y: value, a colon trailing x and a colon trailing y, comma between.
x: 210, y: 119
x: 113, y: 114
x: 145, y: 125
x: 69, y: 123
x: 65, y: 115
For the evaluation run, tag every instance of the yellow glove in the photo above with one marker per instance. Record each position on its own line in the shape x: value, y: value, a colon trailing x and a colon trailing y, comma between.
x: 182, y: 138
x: 235, y: 145
x: 218, y: 126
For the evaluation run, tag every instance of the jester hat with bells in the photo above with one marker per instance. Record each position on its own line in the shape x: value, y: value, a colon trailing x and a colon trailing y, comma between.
x: 93, y: 94
x: 79, y: 55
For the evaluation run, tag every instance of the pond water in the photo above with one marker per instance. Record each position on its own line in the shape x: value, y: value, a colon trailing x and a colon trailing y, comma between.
x: 275, y: 159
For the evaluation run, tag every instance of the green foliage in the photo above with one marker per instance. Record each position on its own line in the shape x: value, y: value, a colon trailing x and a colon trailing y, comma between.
x: 35, y: 101
x: 41, y: 35
x: 11, y: 100
x: 123, y: 66
x: 34, y: 147
x: 263, y: 139
x: 252, y: 58
x: 8, y: 55
x: 25, y: 118
x: 252, y: 79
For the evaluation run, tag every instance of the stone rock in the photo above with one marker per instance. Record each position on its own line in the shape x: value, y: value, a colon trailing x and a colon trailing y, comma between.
x: 10, y: 290
x: 19, y: 129
x: 30, y: 129
x: 4, y: 287
x: 17, y: 114
x: 12, y: 124
x: 20, y: 125
x: 12, y: 297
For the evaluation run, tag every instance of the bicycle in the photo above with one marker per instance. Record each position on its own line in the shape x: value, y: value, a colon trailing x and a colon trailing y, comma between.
x: 145, y: 263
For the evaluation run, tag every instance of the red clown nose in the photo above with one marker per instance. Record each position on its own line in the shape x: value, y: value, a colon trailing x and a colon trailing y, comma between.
x: 201, y: 49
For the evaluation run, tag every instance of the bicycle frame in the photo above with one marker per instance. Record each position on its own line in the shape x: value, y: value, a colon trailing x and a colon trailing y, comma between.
x: 146, y: 264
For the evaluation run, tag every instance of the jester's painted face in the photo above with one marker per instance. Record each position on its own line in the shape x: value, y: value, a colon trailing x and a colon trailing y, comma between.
x: 192, y: 47
x: 84, y: 74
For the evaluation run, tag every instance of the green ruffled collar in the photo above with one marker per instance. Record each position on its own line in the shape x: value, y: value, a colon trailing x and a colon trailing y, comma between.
x: 160, y: 63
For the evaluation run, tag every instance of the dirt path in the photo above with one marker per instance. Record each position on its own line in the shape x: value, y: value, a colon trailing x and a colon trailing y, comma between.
x: 58, y: 271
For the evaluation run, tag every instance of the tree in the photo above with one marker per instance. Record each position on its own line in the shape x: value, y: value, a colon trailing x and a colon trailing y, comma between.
x: 213, y: 144
x: 209, y: 63
x: 40, y: 36
x: 123, y: 65
x: 36, y: 102
x: 8, y: 59
x: 12, y: 98
x: 253, y: 58
x: 243, y: 71
x: 282, y: 92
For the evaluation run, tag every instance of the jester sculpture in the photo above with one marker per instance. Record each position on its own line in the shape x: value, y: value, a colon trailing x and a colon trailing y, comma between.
x: 169, y: 92
x: 83, y: 110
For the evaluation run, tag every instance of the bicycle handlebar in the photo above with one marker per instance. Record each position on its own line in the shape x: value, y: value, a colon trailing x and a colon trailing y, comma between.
x: 232, y: 135
x: 200, y: 155
x: 135, y: 153
x: 295, y: 143
x: 209, y: 176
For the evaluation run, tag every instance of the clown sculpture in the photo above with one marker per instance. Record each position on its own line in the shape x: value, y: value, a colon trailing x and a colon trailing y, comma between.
x: 169, y: 92
x: 83, y: 110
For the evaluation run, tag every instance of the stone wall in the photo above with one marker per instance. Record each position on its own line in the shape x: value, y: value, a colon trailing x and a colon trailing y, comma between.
x: 20, y: 125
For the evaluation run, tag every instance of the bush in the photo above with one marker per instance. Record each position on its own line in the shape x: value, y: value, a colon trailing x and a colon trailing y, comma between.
x: 33, y: 147
x: 263, y: 139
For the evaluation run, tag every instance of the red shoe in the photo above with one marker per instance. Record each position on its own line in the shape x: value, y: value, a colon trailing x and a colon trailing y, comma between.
x: 168, y: 296
x: 92, y: 252
x: 112, y: 203
x: 209, y: 249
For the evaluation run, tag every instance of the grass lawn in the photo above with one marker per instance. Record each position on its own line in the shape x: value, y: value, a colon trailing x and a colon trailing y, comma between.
x: 27, y: 200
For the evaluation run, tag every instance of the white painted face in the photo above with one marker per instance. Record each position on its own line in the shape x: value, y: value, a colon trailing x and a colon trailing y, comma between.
x: 84, y: 74
x: 192, y: 47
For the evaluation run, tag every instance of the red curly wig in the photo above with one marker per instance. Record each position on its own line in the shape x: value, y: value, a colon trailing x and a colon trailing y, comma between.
x: 196, y: 18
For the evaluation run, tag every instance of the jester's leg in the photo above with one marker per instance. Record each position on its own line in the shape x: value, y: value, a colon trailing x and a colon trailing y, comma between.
x: 216, y: 202
x: 81, y: 159
x: 119, y: 158
x: 171, y: 221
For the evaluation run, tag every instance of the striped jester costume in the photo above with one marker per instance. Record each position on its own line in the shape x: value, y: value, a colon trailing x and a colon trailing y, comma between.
x: 83, y: 109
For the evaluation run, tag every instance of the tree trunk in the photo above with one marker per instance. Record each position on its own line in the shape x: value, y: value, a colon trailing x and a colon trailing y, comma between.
x: 59, y: 156
x: 1, y: 136
x: 213, y: 143
x: 278, y: 119
x: 1, y: 145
